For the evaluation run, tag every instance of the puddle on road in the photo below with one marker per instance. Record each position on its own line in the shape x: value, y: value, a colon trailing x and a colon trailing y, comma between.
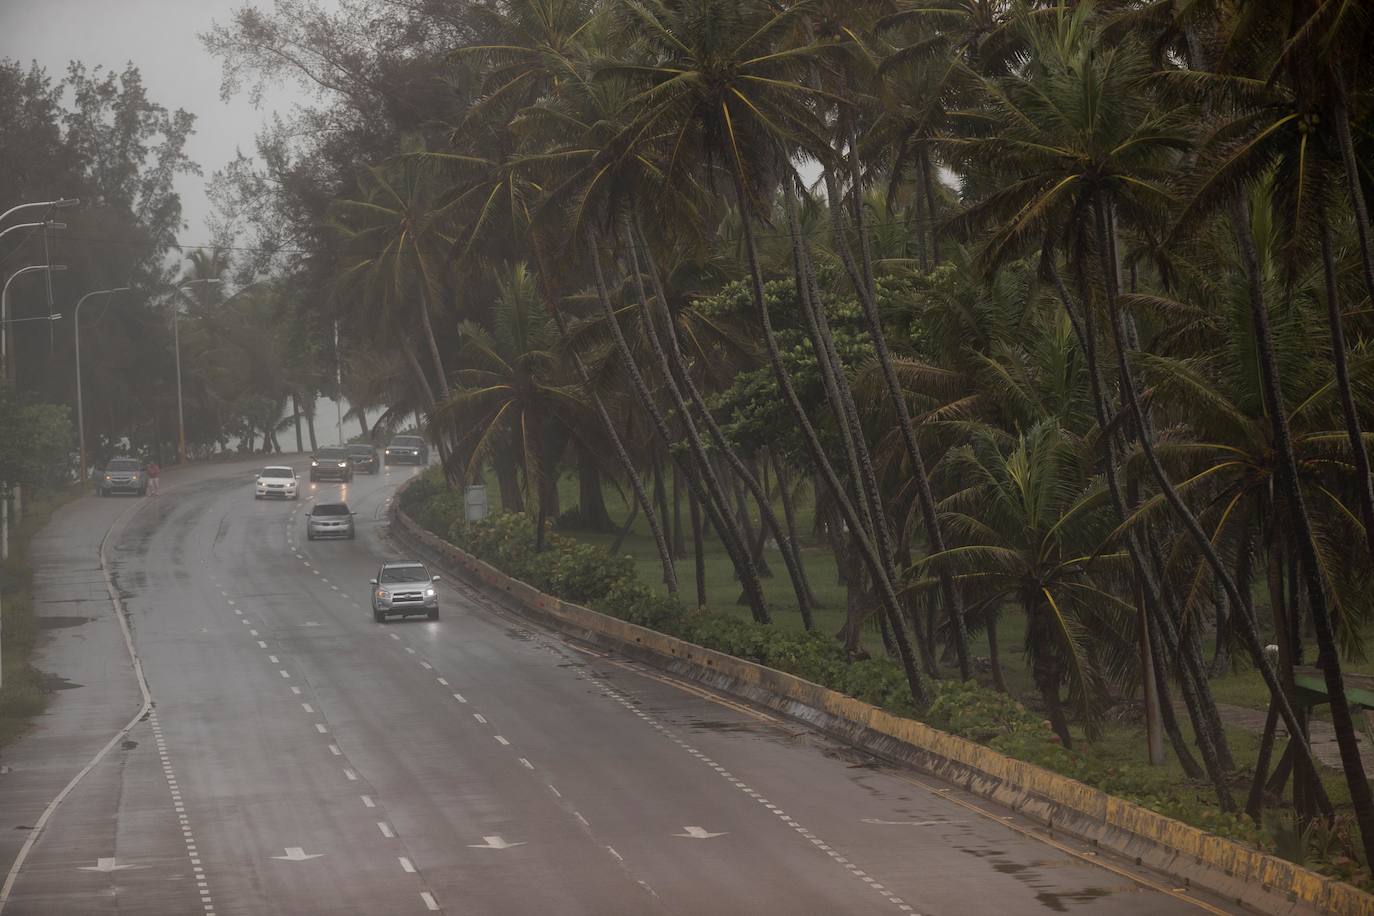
x: 520, y: 634
x: 128, y: 744
x: 1054, y: 900
x: 55, y: 682
x: 59, y: 622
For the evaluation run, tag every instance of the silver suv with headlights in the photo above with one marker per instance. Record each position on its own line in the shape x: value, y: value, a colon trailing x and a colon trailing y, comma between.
x: 329, y: 520
x: 403, y: 588
x: 121, y: 475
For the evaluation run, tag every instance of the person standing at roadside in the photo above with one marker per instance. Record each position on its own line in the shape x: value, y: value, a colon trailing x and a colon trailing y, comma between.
x: 154, y: 476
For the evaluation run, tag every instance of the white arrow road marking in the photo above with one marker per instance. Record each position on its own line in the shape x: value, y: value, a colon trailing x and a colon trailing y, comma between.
x: 699, y: 833
x: 107, y: 865
x: 878, y: 820
x: 493, y: 842
x: 297, y: 854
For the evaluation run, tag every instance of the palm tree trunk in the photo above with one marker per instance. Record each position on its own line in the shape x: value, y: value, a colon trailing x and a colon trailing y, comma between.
x: 990, y: 616
x: 625, y: 529
x: 1341, y: 117
x: 433, y: 344
x: 679, y: 380
x: 698, y: 547
x: 678, y: 543
x: 1170, y: 493
x: 789, y: 513
x: 715, y: 505
x: 1329, y: 655
x: 887, y: 595
x: 1087, y: 335
x: 1352, y: 416
x: 296, y: 415
x: 930, y: 518
x: 927, y: 180
x: 622, y: 455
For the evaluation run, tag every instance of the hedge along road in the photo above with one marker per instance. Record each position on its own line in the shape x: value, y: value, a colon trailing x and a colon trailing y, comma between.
x: 301, y: 758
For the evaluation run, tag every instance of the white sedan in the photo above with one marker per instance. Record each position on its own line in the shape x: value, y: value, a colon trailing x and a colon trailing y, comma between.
x: 276, y: 481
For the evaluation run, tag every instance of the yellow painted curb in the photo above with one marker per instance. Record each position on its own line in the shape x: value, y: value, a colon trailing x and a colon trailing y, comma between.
x: 1220, y: 865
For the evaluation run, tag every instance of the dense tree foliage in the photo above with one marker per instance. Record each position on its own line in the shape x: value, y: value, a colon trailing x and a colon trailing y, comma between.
x: 1063, y: 308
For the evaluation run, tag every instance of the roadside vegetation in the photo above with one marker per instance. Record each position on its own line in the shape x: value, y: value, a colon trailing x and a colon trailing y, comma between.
x: 34, y: 440
x: 1045, y: 325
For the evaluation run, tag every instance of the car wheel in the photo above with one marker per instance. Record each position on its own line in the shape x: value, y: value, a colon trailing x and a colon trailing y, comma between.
x: 433, y: 613
x: 351, y: 535
x: 257, y: 496
x: 378, y: 616
x: 295, y: 496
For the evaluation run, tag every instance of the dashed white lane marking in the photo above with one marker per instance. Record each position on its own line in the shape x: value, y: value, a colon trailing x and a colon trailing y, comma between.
x: 459, y: 698
x: 430, y: 902
x: 526, y: 764
x: 296, y: 690
x: 350, y: 775
x: 307, y: 707
x: 409, y: 649
x: 334, y: 749
x: 386, y: 830
x: 285, y: 674
x: 556, y: 793
x: 578, y: 815
x: 427, y: 666
x: 502, y: 741
x: 237, y: 611
x: 480, y: 718
x: 406, y: 866
x: 319, y: 727
x: 442, y: 681
x: 262, y: 644
x: 782, y: 815
x: 252, y: 632
x: 183, y: 819
x: 394, y: 636
x: 273, y: 659
x: 367, y: 801
x: 611, y: 850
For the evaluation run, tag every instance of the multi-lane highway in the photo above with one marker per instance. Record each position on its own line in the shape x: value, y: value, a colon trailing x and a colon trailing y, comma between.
x: 301, y: 758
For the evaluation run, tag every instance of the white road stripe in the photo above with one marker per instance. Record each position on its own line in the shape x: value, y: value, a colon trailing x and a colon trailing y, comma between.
x: 406, y: 866
x: 480, y: 718
x: 367, y: 801
x: 262, y: 644
x: 502, y: 741
x: 307, y: 707
x: 350, y: 775
x: 334, y: 749
x: 319, y: 727
x: 273, y: 659
x: 296, y: 691
x: 430, y: 902
x: 459, y: 698
x: 386, y: 830
x: 442, y: 681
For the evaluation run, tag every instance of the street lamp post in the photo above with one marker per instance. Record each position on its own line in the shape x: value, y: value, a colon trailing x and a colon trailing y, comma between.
x: 176, y: 344
x: 76, y: 331
x: 60, y: 204
x: 5, y: 311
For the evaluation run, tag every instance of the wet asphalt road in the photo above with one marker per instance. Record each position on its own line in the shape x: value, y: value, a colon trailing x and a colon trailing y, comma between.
x: 302, y: 759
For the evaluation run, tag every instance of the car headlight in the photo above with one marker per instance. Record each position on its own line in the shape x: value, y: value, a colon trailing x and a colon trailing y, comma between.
x: 108, y: 477
x: 314, y: 463
x: 343, y: 464
x: 382, y: 594
x: 429, y: 593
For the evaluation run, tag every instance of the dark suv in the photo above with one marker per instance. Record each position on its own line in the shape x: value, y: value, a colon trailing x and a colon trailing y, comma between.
x: 364, y: 458
x: 121, y: 475
x: 407, y: 450
x: 331, y: 464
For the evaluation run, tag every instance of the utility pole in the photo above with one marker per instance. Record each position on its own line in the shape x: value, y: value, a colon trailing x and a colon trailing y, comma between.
x: 338, y: 384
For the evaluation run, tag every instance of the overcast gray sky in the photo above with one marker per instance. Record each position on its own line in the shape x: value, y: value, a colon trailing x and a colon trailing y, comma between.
x: 159, y: 37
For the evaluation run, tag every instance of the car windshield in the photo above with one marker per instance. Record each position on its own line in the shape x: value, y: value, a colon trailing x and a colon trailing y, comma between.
x: 276, y: 472
x: 414, y: 573
x: 332, y: 453
x: 123, y: 464
x: 360, y: 450
x: 408, y: 441
x: 331, y: 509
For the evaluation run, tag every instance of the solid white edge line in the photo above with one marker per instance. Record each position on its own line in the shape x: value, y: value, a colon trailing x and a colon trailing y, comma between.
x: 147, y: 706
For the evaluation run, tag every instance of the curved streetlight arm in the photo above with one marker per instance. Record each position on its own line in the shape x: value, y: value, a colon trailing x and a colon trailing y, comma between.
x: 45, y: 224
x: 5, y: 308
x: 60, y: 203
